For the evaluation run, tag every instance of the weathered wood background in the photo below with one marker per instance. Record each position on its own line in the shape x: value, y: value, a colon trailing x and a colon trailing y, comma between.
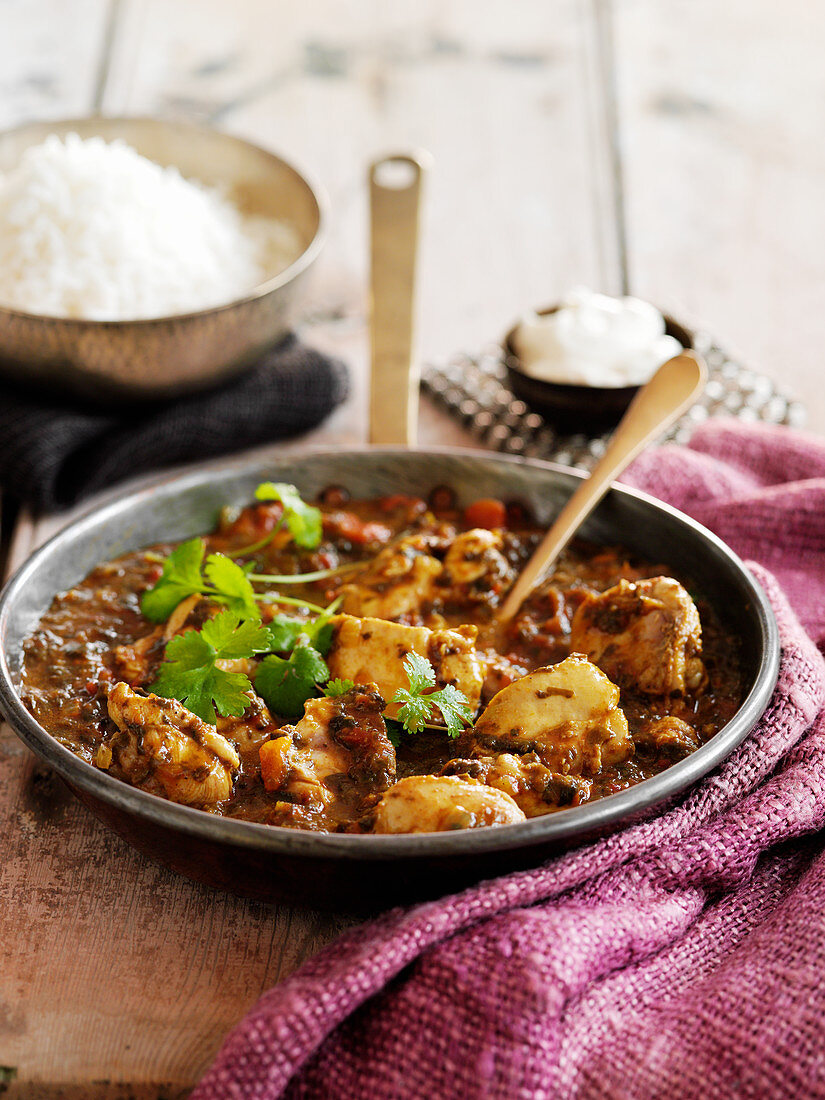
x: 118, y: 979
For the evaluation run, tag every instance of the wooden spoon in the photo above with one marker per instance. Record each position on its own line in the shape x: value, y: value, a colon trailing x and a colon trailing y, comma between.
x: 670, y: 391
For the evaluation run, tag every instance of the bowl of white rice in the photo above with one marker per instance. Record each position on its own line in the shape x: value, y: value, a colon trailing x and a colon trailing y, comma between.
x: 145, y: 259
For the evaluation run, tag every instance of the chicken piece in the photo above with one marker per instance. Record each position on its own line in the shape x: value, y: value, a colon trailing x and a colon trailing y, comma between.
x: 670, y: 736
x: 533, y: 787
x: 568, y: 714
x: 339, y: 751
x: 645, y: 635
x: 162, y: 747
x: 475, y: 569
x: 365, y: 650
x: 398, y: 583
x: 437, y: 804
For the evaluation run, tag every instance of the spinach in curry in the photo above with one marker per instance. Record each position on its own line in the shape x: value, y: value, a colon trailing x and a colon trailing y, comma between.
x: 411, y: 585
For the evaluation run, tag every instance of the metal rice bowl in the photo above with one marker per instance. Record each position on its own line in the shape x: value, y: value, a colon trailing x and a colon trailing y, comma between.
x: 117, y: 361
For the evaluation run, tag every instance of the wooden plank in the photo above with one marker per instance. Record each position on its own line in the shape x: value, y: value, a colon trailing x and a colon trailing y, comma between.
x: 722, y: 109
x: 504, y: 104
x: 128, y: 976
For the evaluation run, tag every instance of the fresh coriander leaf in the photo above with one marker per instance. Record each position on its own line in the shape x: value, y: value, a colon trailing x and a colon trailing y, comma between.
x: 415, y: 710
x: 309, y: 662
x: 230, y: 692
x: 181, y: 577
x: 285, y: 684
x: 454, y: 707
x: 203, y: 689
x: 192, y: 677
x: 276, y: 490
x: 338, y: 687
x: 320, y: 630
x: 191, y: 649
x: 417, y: 702
x: 419, y: 672
x: 231, y: 586
x: 190, y: 672
x: 302, y: 519
x: 284, y: 632
x: 232, y: 638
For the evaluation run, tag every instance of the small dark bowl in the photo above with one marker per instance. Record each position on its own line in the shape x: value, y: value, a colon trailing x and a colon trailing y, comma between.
x: 573, y: 409
x: 368, y: 872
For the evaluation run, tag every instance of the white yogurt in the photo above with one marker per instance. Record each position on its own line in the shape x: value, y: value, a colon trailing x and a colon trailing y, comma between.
x: 593, y: 340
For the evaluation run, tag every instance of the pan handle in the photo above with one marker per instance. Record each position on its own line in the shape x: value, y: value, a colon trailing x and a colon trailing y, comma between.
x: 395, y: 204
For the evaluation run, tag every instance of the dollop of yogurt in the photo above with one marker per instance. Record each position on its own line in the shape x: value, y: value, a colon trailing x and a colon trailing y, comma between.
x: 594, y: 340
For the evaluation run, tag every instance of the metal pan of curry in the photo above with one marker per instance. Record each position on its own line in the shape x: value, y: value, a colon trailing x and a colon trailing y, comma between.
x: 363, y: 731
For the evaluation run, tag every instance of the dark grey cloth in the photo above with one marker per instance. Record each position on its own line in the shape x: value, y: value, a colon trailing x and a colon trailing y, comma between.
x: 54, y: 454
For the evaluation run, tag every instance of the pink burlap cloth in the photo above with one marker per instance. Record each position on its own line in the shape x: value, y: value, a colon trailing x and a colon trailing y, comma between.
x: 683, y: 957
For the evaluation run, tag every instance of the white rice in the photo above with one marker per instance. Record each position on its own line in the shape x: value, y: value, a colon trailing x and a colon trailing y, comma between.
x: 91, y: 229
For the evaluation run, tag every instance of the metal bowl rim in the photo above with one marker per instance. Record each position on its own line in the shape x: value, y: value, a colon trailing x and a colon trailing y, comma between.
x: 260, y: 290
x: 585, y: 819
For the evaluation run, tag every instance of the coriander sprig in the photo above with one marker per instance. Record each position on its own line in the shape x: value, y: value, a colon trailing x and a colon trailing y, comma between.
x: 285, y: 631
x: 337, y: 687
x: 186, y: 574
x: 190, y: 671
x: 305, y: 578
x: 285, y: 683
x: 303, y: 521
x: 223, y: 580
x: 419, y: 700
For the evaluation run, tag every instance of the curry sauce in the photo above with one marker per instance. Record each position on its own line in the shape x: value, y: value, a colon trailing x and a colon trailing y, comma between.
x: 402, y: 562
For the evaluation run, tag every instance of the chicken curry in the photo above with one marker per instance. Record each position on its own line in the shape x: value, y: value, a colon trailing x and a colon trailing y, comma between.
x: 337, y: 666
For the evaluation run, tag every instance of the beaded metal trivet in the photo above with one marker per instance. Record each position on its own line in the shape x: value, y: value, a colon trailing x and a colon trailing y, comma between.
x: 474, y: 389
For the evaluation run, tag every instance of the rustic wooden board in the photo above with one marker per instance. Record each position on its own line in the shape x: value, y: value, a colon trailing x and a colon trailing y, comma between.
x: 722, y: 110
x: 119, y: 979
x: 505, y: 105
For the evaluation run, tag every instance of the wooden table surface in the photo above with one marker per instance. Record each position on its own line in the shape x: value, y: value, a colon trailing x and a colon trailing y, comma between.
x: 700, y: 178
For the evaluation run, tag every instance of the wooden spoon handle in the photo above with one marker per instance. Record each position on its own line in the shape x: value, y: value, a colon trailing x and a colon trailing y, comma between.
x: 395, y: 203
x: 669, y: 392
